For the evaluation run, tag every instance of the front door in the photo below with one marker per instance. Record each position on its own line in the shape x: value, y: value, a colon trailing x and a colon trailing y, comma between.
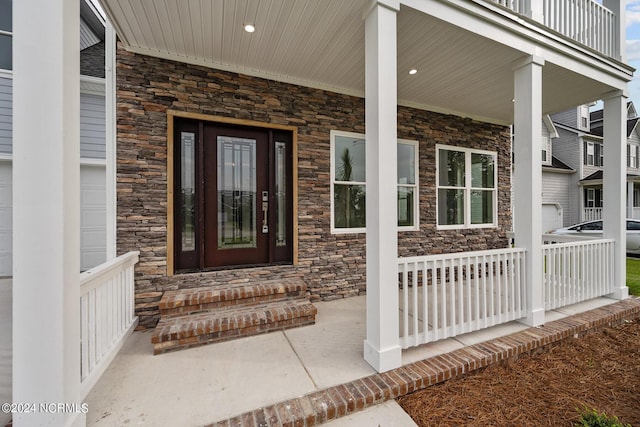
x: 243, y: 201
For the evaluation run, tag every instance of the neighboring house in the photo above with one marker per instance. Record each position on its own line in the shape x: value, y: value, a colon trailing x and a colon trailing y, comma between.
x: 92, y: 135
x: 572, y: 181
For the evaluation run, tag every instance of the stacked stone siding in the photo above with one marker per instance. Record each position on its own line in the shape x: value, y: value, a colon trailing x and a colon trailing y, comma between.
x: 332, y: 265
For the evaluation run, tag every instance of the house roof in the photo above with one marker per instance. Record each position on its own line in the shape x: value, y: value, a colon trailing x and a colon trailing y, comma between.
x: 558, y: 164
x: 631, y: 125
x: 92, y: 60
x: 575, y: 130
x: 597, y: 176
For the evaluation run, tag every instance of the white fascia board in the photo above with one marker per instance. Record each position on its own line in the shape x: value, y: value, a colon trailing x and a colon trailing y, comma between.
x: 92, y: 85
x: 551, y: 169
x: 6, y: 74
x: 529, y: 37
x: 553, y: 132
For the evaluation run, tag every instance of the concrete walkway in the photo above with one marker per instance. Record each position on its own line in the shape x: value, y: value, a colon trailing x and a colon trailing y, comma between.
x: 202, y: 385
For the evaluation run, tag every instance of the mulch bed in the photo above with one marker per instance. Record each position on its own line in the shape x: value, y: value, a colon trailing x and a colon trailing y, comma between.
x: 600, y: 370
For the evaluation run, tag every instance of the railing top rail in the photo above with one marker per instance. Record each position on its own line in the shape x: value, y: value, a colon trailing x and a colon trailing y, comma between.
x: 458, y: 255
x: 94, y: 275
x: 577, y: 243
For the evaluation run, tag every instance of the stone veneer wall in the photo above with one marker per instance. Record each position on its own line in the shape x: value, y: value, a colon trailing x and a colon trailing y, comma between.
x: 333, y: 266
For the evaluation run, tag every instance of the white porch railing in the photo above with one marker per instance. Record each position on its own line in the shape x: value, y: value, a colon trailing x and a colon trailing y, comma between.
x: 584, y: 21
x: 591, y: 214
x: 106, y: 315
x: 451, y: 294
x: 576, y: 271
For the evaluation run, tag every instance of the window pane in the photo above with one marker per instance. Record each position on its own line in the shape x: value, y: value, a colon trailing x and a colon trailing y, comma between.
x: 350, y: 204
x: 406, y: 164
x: 187, y: 186
x: 349, y: 159
x: 281, y: 193
x: 481, y: 207
x: 450, y: 207
x: 405, y: 207
x: 482, y: 170
x: 451, y: 168
x: 5, y: 16
x: 5, y: 53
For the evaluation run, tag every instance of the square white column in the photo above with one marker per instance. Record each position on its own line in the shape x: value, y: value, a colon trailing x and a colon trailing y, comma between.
x: 614, y: 186
x: 528, y: 179
x: 46, y: 210
x: 381, y: 347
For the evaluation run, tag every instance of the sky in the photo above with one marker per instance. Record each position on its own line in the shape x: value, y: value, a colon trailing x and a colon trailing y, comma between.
x: 633, y: 48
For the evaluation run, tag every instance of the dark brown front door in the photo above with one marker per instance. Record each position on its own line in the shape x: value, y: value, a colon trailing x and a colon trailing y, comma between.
x: 242, y: 201
x: 236, y: 196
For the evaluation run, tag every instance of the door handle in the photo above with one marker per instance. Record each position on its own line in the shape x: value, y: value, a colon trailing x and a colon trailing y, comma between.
x: 265, y: 212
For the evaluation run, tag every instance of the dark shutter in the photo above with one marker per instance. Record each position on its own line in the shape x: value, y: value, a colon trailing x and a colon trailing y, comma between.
x: 585, y: 152
x: 596, y: 157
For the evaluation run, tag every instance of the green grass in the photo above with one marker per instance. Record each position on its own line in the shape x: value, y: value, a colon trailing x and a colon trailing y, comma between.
x: 633, y: 275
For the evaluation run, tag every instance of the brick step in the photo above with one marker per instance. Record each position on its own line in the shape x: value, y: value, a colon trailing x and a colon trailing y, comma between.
x: 230, y: 323
x: 185, y: 301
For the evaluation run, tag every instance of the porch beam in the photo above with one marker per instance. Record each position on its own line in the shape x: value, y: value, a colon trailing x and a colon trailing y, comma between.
x: 528, y: 178
x: 381, y: 347
x: 614, y: 186
x: 46, y: 211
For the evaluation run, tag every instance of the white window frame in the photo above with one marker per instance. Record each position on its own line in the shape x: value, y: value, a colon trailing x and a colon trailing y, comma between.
x: 416, y: 186
x: 591, y: 146
x: 584, y: 117
x: 467, y: 188
x: 4, y: 72
x: 546, y: 149
x: 633, y: 156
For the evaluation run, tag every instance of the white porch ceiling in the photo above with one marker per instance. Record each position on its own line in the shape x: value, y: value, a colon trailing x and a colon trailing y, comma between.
x: 320, y: 43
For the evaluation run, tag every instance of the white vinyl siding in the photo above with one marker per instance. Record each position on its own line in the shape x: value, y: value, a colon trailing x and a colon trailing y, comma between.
x: 556, y: 189
x: 6, y: 99
x: 92, y: 127
x: 567, y: 117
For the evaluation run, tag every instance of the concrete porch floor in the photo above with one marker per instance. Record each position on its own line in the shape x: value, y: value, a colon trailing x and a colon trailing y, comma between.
x: 210, y: 383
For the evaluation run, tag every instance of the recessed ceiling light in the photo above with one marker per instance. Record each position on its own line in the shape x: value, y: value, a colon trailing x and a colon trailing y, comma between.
x: 249, y: 28
x: 413, y: 71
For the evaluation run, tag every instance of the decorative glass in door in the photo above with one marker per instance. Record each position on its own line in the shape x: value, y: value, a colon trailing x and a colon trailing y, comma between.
x: 237, y: 193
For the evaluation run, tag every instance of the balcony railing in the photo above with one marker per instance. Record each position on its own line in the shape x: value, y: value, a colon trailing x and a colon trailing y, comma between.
x: 584, y: 21
x: 591, y: 214
x: 106, y: 315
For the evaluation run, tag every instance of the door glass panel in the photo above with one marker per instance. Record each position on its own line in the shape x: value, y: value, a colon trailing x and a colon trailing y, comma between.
x: 281, y: 193
x: 237, y: 211
x: 187, y: 184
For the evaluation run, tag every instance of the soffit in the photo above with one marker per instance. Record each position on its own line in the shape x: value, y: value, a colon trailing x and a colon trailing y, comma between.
x: 321, y: 44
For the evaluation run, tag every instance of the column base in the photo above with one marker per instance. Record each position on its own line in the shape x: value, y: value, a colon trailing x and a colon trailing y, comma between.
x: 619, y: 293
x: 382, y: 360
x: 535, y: 318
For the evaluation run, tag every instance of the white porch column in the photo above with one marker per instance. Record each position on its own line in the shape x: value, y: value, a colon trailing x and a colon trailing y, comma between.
x: 619, y: 7
x: 46, y: 210
x: 110, y: 110
x: 629, y: 199
x: 381, y: 347
x: 614, y: 186
x: 528, y: 178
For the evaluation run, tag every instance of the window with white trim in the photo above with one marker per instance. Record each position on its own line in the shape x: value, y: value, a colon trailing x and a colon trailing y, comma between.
x: 546, y: 150
x: 348, y: 183
x: 590, y: 153
x: 6, y: 34
x: 632, y: 155
x: 466, y: 187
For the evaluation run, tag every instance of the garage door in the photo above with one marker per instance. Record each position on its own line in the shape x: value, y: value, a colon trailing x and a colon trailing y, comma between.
x: 93, y: 228
x: 551, y: 217
x: 5, y: 218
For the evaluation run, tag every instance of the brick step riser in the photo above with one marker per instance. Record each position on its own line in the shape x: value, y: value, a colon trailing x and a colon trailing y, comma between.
x: 230, y: 334
x: 197, y: 307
